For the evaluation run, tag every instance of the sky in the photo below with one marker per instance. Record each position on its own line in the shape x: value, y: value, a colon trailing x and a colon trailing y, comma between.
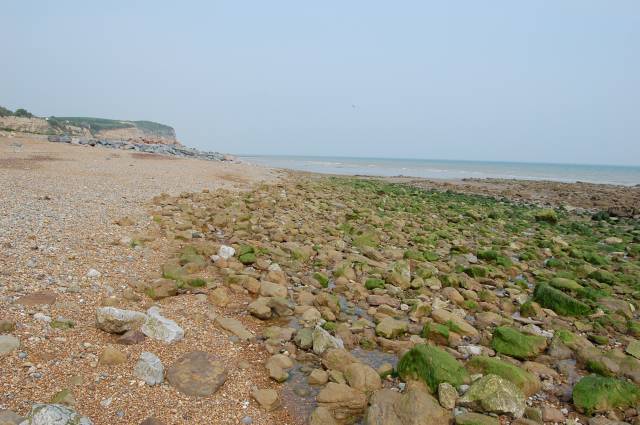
x: 504, y: 80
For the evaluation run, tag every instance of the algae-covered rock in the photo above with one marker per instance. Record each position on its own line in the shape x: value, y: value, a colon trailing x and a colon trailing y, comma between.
x: 514, y: 343
x: 527, y: 382
x: 432, y: 366
x: 547, y: 215
x: 600, y: 394
x: 471, y: 418
x: 493, y: 394
x: 391, y: 328
x: 564, y: 283
x: 558, y: 301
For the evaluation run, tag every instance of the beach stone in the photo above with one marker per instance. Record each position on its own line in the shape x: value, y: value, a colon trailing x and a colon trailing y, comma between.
x: 304, y: 338
x: 225, y: 252
x: 219, y: 296
x: 54, y: 414
x: 115, y: 320
x: 493, y: 394
x: 112, y: 356
x: 443, y: 316
x: 415, y: 407
x: 161, y: 328
x: 149, y: 369
x: 634, y: 349
x: 277, y: 366
x: 267, y: 399
x: 391, y: 328
x: 235, y: 327
x: 197, y: 374
x: 322, y: 416
x: 7, y: 326
x: 343, y: 402
x: 152, y: 421
x: 447, y: 395
x: 270, y: 289
x: 37, y: 298
x: 8, y: 343
x: 160, y: 288
x: 131, y: 338
x: 471, y: 418
x: 260, y: 308
x: 362, y: 377
x: 318, y: 377
x: 323, y: 340
x: 551, y: 414
x: 7, y: 417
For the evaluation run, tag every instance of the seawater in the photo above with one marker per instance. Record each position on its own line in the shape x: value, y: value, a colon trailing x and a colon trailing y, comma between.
x: 454, y: 170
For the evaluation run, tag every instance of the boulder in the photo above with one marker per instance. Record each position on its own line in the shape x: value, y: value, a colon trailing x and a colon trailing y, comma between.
x: 391, y: 328
x: 117, y: 321
x: 362, y: 377
x: 527, y: 382
x: 516, y: 344
x: 595, y: 393
x: 160, y: 328
x: 415, y: 407
x: 54, y: 414
x: 323, y: 340
x: 346, y: 404
x: 149, y: 369
x: 493, y: 394
x: 432, y: 366
x: 267, y: 399
x: 461, y: 326
x: 197, y: 374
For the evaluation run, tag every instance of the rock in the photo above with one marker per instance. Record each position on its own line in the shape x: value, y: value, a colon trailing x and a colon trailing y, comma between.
x: 318, y: 377
x: 270, y: 289
x: 414, y: 407
x: 219, y: 296
x: 93, y: 274
x: 267, y: 399
x: 595, y: 393
x: 304, y: 338
x: 391, y: 328
x: 551, y: 414
x: 7, y: 417
x: 7, y: 326
x: 112, y: 356
x: 322, y: 416
x: 277, y: 366
x: 149, y: 369
x: 471, y: 418
x: 225, y: 252
x: 337, y: 359
x: 152, y: 421
x: 447, y: 395
x: 362, y: 377
x: 260, y: 308
x: 131, y: 338
x: 64, y: 397
x: 161, y: 328
x: 54, y: 414
x: 323, y: 340
x: 235, y: 327
x: 343, y: 402
x: 527, y: 382
x: 462, y: 326
x: 160, y: 288
x: 197, y: 374
x: 634, y: 349
x: 493, y: 394
x: 37, y: 298
x: 115, y: 320
x: 432, y: 366
x: 513, y: 343
x: 8, y: 343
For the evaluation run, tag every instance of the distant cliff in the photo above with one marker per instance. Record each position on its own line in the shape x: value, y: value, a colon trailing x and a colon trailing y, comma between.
x: 86, y: 127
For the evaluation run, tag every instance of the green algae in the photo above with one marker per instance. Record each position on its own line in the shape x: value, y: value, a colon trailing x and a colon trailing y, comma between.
x: 559, y: 302
x: 527, y: 382
x: 594, y: 394
x: 432, y: 366
x: 514, y: 343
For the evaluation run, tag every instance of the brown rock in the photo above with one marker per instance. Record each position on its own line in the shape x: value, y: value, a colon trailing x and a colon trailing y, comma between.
x: 112, y: 356
x: 197, y: 374
x: 267, y: 398
x: 37, y: 298
x: 131, y: 338
x: 344, y: 403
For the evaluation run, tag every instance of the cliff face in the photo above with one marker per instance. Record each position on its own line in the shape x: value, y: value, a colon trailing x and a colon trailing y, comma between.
x: 94, y: 128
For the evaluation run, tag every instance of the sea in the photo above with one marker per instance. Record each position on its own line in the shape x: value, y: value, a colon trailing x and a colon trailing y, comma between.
x: 453, y: 170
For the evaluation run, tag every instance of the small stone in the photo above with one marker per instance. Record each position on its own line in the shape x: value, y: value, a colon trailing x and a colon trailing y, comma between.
x: 7, y: 417
x: 8, y: 343
x: 93, y: 274
x: 7, y: 326
x: 149, y: 369
x: 551, y: 414
x: 634, y: 349
x: 50, y: 414
x: 318, y: 377
x: 112, y: 356
x: 115, y: 320
x: 391, y: 328
x: 160, y: 328
x: 131, y: 338
x: 267, y: 398
x: 447, y: 395
x: 197, y: 374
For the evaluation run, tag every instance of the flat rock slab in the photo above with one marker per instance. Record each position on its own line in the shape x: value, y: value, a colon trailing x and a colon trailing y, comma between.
x: 37, y: 298
x: 197, y: 374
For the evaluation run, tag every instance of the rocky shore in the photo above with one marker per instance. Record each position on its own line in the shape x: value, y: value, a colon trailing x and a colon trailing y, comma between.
x: 304, y: 299
x: 154, y: 148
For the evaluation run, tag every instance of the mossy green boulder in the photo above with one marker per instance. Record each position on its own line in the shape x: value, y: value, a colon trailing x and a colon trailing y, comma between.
x: 594, y: 394
x: 373, y: 283
x: 432, y: 366
x: 494, y: 394
x: 564, y: 283
x: 511, y: 342
x: 528, y: 383
x: 558, y: 301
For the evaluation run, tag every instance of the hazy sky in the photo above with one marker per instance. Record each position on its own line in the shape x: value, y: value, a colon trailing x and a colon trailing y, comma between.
x: 538, y: 80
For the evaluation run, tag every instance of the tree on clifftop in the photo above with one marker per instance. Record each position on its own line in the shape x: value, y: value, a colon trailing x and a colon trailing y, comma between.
x: 4, y: 112
x: 23, y: 113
